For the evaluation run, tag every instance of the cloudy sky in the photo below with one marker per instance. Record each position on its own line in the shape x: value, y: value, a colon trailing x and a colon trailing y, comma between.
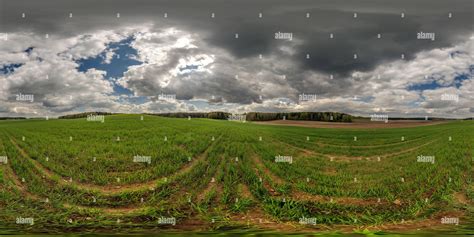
x: 396, y: 57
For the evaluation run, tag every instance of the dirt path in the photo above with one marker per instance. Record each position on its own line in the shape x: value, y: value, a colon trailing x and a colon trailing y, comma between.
x: 108, y: 210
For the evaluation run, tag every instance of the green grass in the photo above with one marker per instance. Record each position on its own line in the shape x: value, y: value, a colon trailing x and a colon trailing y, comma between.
x: 187, y: 154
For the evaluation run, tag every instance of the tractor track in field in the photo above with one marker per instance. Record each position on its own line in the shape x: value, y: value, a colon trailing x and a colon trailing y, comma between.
x: 262, y: 170
x: 307, y: 197
x: 212, y: 185
x: 257, y: 217
x: 370, y: 146
x: 180, y: 190
x: 112, y: 189
x: 10, y: 173
x: 122, y: 210
x: 307, y: 152
x: 245, y: 191
x: 19, y: 185
x: 255, y: 214
x: 393, y: 154
x: 304, y: 196
x: 106, y: 210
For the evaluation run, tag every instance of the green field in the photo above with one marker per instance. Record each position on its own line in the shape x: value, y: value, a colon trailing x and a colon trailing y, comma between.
x: 76, y: 175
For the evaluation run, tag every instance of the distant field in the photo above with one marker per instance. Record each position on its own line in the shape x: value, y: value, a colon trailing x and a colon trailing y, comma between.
x: 76, y: 175
x: 355, y: 124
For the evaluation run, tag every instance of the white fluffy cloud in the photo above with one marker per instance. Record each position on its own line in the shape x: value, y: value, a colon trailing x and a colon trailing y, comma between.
x: 51, y: 76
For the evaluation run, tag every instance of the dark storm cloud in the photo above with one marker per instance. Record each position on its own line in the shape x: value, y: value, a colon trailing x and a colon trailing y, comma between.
x: 253, y: 39
x: 352, y: 36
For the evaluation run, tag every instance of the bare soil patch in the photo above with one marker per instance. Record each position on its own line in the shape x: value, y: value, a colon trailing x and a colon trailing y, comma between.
x: 461, y: 198
x: 257, y: 218
x: 107, y: 210
x: 431, y: 223
x: 244, y: 191
x: 206, y: 191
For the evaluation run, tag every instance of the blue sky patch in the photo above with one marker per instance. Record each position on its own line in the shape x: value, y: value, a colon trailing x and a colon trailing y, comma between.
x: 29, y: 50
x: 9, y: 68
x: 458, y: 80
x: 122, y: 59
x: 424, y: 86
x: 189, y: 67
x: 366, y: 99
x: 456, y: 53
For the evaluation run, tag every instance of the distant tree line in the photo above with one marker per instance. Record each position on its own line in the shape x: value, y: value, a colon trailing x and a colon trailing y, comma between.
x: 14, y: 118
x: 310, y: 116
x: 83, y: 115
x: 210, y: 115
x: 257, y: 116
